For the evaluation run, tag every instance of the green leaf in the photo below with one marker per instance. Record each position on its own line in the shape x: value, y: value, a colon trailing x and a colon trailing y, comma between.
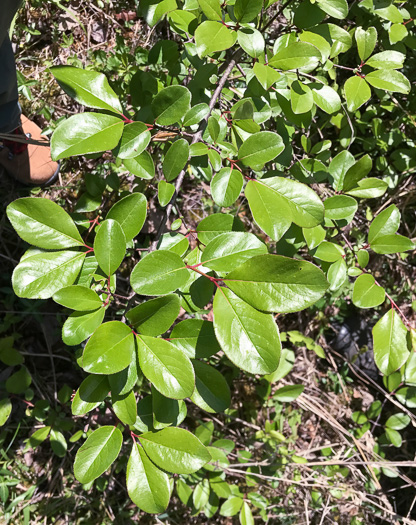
x: 201, y: 494
x: 387, y: 60
x: 288, y: 393
x: 251, y: 41
x: 357, y: 92
x: 357, y: 172
x: 176, y: 159
x: 326, y: 98
x: 166, y: 367
x: 260, y: 148
x: 389, y: 80
x: 392, y: 244
x: 110, y: 349
x: 123, y: 382
x: 78, y: 298
x: 92, y: 391
x: 337, y: 274
x: 366, y: 41
x: 80, y: 325
x: 276, y: 202
x: 246, y: 517
x: 58, y: 443
x: 213, y: 128
x: 124, y: 406
x: 5, y: 410
x: 141, y: 166
x: 329, y: 252
x: 301, y: 97
x: 41, y: 276
x: 38, y: 437
x: 314, y: 236
x: 175, y: 450
x: 226, y: 186
x: 339, y: 167
x: 88, y: 88
x: 211, y: 37
x: 274, y: 283
x: 167, y: 412
x: 153, y: 11
x: 229, y: 250
x: 247, y: 10
x: 367, y: 293
x: 398, y: 421
x: 385, y: 223
x: 147, y: 486
x: 212, y: 392
x: 211, y: 9
x: 43, y: 223
x: 390, y: 343
x: 86, y: 133
x: 165, y: 192
x: 171, y: 104
x: 335, y: 8
x: 363, y: 258
x: 299, y: 55
x: 215, y: 224
x: 159, y: 273
x: 397, y: 33
x: 340, y: 207
x: 135, y: 139
x: 231, y: 506
x: 196, y: 338
x: 110, y: 246
x: 250, y: 339
x: 394, y: 437
x: 97, y: 453
x: 196, y: 114
x: 369, y: 188
x: 266, y: 75
x: 156, y: 316
x: 130, y: 212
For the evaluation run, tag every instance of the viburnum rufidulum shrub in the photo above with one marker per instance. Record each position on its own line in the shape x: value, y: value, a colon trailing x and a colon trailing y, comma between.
x: 271, y: 105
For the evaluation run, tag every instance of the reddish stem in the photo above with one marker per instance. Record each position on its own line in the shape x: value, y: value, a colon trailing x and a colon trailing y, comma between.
x: 212, y: 279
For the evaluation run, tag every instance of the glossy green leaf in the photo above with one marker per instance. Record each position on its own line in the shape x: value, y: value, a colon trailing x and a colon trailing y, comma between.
x: 357, y: 172
x: 390, y: 343
x: 130, y: 212
x: 58, y: 443
x: 110, y: 349
x: 387, y: 60
x: 78, y: 298
x: 274, y: 283
x: 212, y: 392
x: 337, y: 274
x: 266, y: 75
x: 338, y: 168
x: 385, y: 223
x: 367, y: 293
x: 147, y: 486
x: 88, y: 88
x: 165, y: 192
x: 213, y: 128
x: 123, y: 382
x: 398, y: 421
x: 19, y: 381
x: 171, y: 104
x: 229, y: 250
x: 389, y: 80
x: 299, y: 55
x: 43, y: 223
x: 196, y: 114
x: 135, y: 139
x: 167, y: 412
x: 392, y: 244
x: 251, y: 41
x: 110, y: 246
x: 247, y: 10
x: 156, y: 316
x: 141, y: 166
x: 176, y: 159
x: 211, y: 37
x: 326, y: 98
x: 124, y: 406
x: 80, y: 325
x: 357, y: 92
x: 86, y: 133
x: 92, y: 391
x: 249, y: 338
x: 159, y: 273
x: 329, y: 252
x: 215, y: 224
x: 301, y: 97
x: 41, y: 276
x: 314, y: 236
x: 196, y: 338
x: 340, y: 207
x: 260, y: 148
x: 231, y: 506
x: 166, y: 367
x: 200, y: 495
x: 175, y: 450
x: 366, y: 41
x: 5, y: 410
x: 97, y: 453
x: 246, y: 516
x: 335, y: 8
x: 397, y: 33
x: 288, y: 393
x: 226, y: 186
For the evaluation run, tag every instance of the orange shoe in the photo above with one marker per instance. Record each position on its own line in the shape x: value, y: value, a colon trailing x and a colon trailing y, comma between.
x: 28, y: 163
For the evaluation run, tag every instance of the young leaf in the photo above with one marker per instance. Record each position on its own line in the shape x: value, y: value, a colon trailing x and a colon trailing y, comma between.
x: 43, y: 223
x: 156, y: 316
x: 366, y: 41
x: 92, y: 391
x: 226, y: 186
x: 166, y: 367
x: 266, y: 75
x: 260, y: 148
x: 80, y: 325
x: 78, y: 297
x: 249, y: 338
x: 175, y: 450
x: 273, y: 283
x: 165, y: 192
x: 110, y: 349
x: 148, y: 486
x: 87, y: 87
x: 212, y: 392
x: 390, y: 343
x: 135, y: 139
x: 130, y: 212
x: 211, y: 37
x: 110, y: 246
x: 366, y: 293
x: 97, y: 453
x: 86, y: 133
x: 159, y: 273
x: 357, y: 92
x: 176, y: 159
